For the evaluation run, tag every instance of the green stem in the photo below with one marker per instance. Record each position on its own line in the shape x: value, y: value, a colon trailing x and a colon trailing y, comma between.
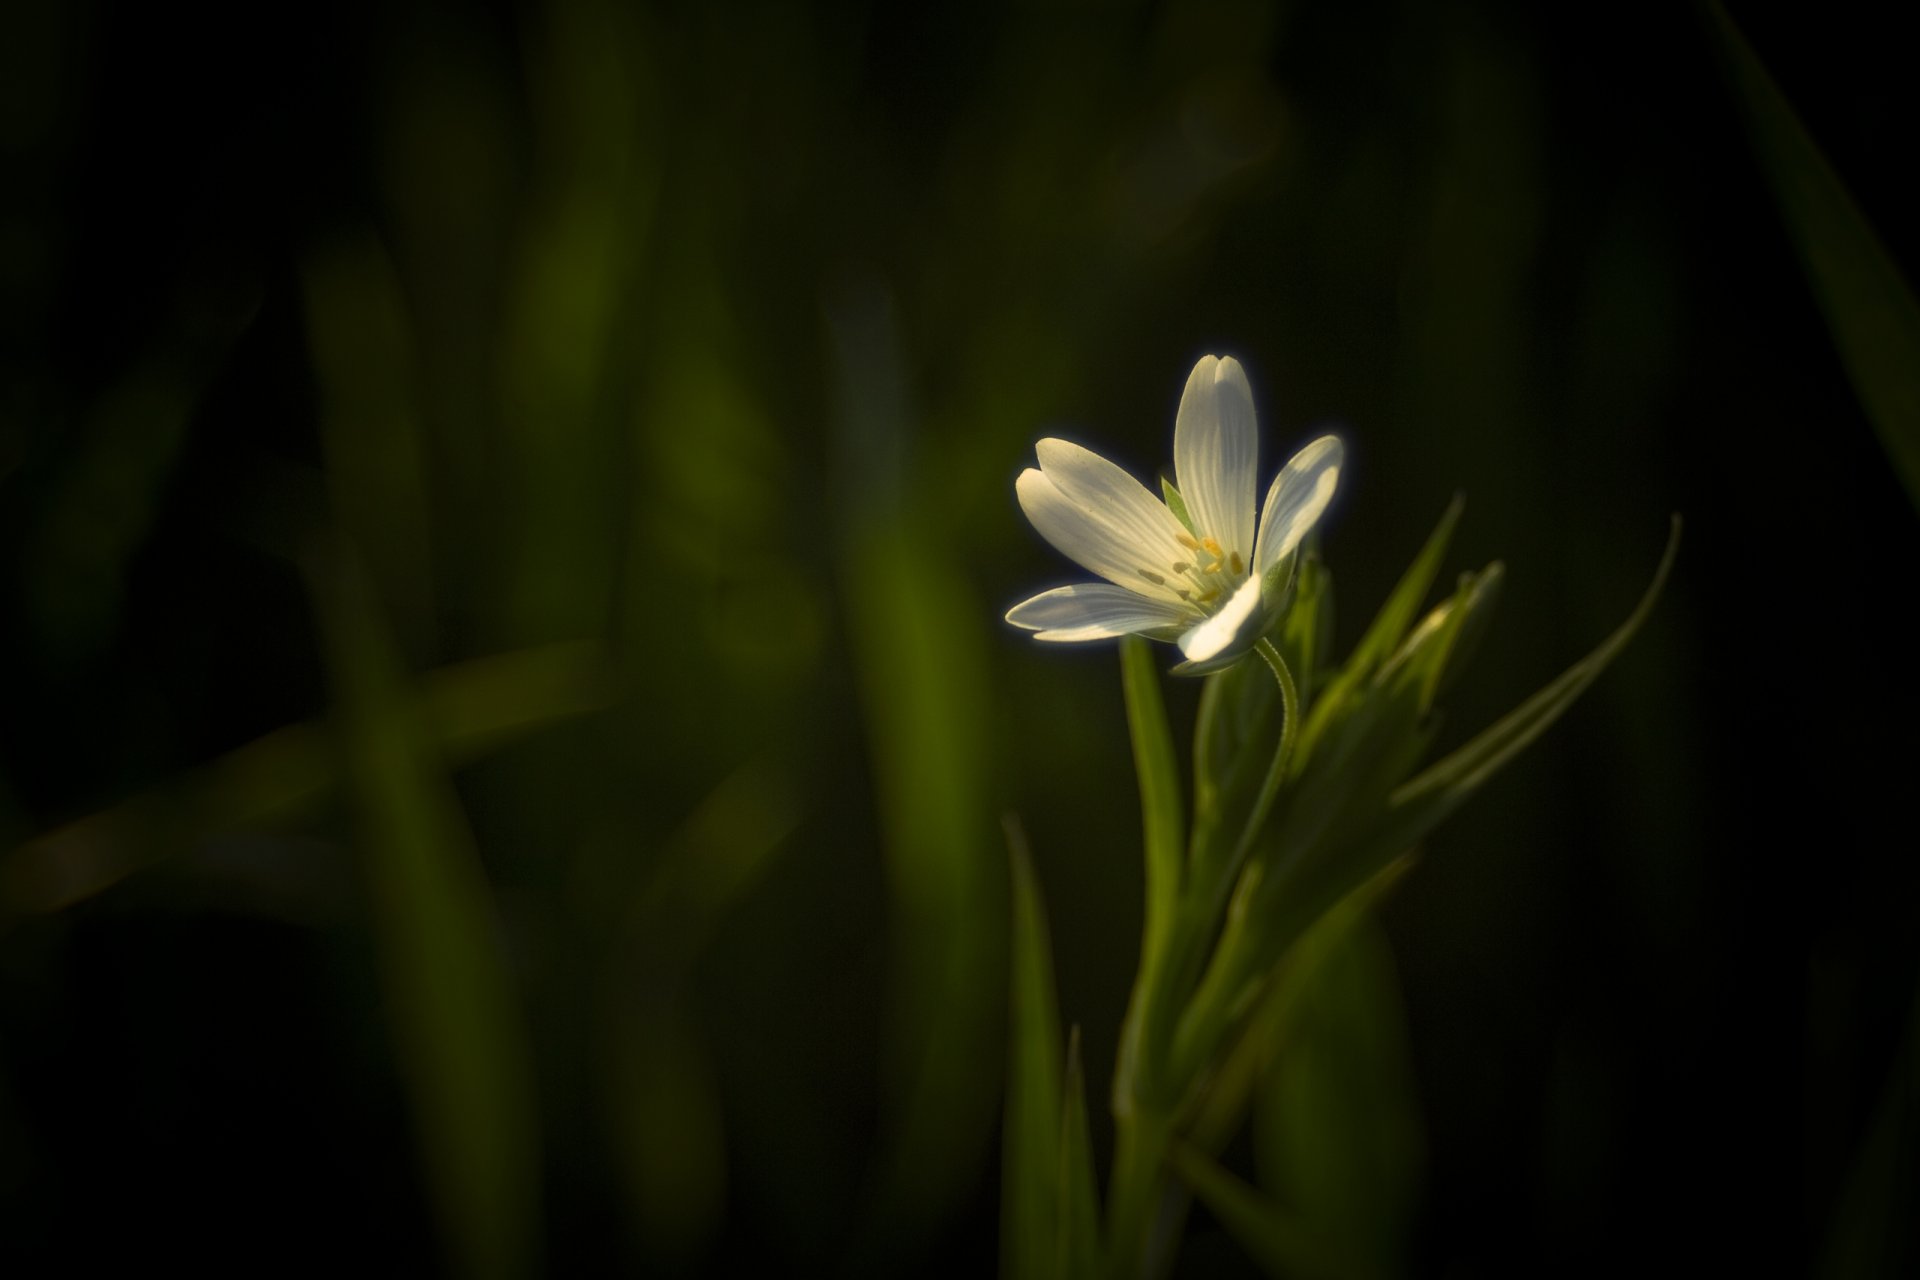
x: 1139, y: 1166
x: 1282, y: 757
x: 1144, y: 1123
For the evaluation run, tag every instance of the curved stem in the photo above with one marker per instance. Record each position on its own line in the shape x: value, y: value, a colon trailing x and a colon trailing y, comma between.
x: 1282, y: 756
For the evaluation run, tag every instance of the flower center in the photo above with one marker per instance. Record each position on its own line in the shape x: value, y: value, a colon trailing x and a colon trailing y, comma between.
x: 1212, y: 572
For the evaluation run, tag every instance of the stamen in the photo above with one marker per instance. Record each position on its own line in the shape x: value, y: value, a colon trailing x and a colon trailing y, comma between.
x: 1153, y: 577
x: 1239, y: 565
x: 1183, y: 594
x: 1186, y: 541
x: 1215, y: 567
x: 1181, y: 566
x: 1213, y: 547
x: 1205, y: 597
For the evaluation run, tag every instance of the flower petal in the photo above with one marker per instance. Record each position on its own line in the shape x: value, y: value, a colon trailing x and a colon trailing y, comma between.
x: 1216, y: 453
x: 1297, y: 500
x: 1230, y: 632
x: 1110, y: 496
x: 1095, y: 611
x: 1092, y: 538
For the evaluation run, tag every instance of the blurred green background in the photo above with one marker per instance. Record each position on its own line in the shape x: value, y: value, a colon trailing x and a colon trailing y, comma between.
x: 505, y: 515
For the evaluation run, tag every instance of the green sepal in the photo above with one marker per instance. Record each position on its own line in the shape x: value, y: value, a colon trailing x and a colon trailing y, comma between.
x: 1176, y: 504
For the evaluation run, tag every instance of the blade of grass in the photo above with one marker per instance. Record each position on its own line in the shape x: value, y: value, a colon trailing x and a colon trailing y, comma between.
x: 1442, y: 786
x: 468, y: 708
x: 1275, y: 1238
x: 1079, y: 1202
x: 463, y: 1052
x: 1870, y: 309
x: 1032, y: 1147
x: 919, y: 644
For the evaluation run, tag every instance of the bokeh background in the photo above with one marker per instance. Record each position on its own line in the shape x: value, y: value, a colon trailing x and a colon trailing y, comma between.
x: 505, y: 515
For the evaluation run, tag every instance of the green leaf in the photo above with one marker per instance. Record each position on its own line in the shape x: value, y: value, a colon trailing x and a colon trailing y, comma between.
x: 469, y: 709
x: 463, y: 1051
x: 1276, y: 1239
x: 1234, y: 736
x: 920, y: 645
x: 1386, y: 632
x: 1337, y: 1131
x: 1479, y: 595
x: 1307, y: 625
x: 1426, y: 799
x: 1222, y: 1105
x: 1429, y: 652
x: 1870, y: 309
x: 1079, y: 1203
x: 1161, y: 820
x: 1417, y: 807
x: 1031, y: 1159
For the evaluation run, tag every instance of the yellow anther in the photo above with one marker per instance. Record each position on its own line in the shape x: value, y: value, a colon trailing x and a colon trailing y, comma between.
x: 1186, y: 541
x: 1208, y: 595
x: 1239, y: 565
x: 1215, y: 567
x: 1213, y: 547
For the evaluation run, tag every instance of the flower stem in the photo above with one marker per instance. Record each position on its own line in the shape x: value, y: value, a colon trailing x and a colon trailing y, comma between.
x: 1282, y: 756
x: 1145, y: 1120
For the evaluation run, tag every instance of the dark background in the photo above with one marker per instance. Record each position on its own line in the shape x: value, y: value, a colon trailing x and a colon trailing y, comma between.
x: 716, y: 335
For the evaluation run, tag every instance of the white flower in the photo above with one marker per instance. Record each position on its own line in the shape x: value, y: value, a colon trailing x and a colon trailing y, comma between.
x: 1200, y: 587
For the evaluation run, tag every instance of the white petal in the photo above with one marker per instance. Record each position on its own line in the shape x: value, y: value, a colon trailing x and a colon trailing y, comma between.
x: 1094, y: 611
x: 1297, y: 500
x: 1093, y: 539
x: 1108, y: 494
x: 1216, y: 453
x: 1236, y: 627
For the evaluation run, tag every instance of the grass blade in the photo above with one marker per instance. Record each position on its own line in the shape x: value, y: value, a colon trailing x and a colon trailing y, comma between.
x: 1031, y: 1149
x: 468, y: 709
x: 1869, y: 308
x: 1442, y: 786
x: 1275, y: 1238
x: 463, y: 1052
x: 1079, y: 1202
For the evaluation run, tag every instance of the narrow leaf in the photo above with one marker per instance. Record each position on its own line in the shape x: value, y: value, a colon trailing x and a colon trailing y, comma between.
x: 1079, y: 1230
x: 1870, y: 309
x: 1304, y: 629
x: 1442, y: 786
x: 1031, y: 1160
x: 1161, y: 820
x: 1337, y: 1129
x: 463, y: 1051
x: 468, y: 709
x: 1275, y: 1238
x: 1387, y: 630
